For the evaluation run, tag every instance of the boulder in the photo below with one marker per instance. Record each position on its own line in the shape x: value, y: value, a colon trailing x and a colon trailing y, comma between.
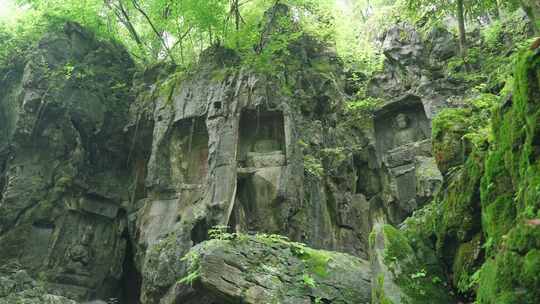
x: 270, y: 269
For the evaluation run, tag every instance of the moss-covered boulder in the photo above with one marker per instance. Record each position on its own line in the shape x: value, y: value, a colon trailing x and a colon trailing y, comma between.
x: 482, y: 232
x: 270, y: 269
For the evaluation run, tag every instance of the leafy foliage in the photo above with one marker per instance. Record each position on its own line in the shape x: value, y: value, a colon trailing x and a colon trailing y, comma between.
x: 193, y: 272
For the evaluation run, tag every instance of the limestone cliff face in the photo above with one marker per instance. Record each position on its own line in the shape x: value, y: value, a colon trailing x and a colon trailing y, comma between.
x: 63, y: 161
x: 226, y: 150
x: 108, y: 179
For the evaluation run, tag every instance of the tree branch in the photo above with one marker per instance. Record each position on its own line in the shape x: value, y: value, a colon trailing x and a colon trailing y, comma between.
x: 160, y: 37
x: 123, y: 17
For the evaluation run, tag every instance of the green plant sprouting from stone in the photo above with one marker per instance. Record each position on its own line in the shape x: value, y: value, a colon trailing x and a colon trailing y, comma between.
x: 192, y: 259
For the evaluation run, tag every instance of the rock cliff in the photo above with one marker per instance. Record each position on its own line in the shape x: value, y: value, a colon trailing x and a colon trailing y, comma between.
x: 64, y: 164
x: 113, y: 180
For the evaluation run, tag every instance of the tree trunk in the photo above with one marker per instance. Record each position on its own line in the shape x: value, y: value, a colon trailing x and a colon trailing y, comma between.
x: 461, y: 25
x: 235, y: 11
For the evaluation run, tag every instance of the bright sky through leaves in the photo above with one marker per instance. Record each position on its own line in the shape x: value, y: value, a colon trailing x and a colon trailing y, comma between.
x: 6, y: 9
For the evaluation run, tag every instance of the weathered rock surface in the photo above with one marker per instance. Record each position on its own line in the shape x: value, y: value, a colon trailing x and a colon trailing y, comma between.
x: 19, y: 287
x: 230, y: 147
x: 480, y: 234
x: 63, y: 164
x: 405, y: 271
x: 264, y: 270
x: 112, y: 181
x: 414, y: 67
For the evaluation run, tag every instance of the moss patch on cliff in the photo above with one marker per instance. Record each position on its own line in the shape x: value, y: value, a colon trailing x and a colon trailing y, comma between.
x: 410, y: 261
x: 486, y: 221
x: 378, y: 295
x: 500, y: 186
x: 510, y: 194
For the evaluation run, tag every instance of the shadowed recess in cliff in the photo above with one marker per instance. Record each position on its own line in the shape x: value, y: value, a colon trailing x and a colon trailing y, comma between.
x: 261, y: 135
x: 131, y: 280
x: 367, y: 178
x: 399, y: 122
x: 199, y: 233
x: 257, y: 206
x: 3, y: 162
x: 261, y: 158
x: 37, y: 244
x: 189, y: 151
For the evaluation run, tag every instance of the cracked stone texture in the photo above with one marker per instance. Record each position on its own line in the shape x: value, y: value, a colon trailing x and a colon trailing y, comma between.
x: 112, y: 180
x: 414, y: 66
x: 63, y: 164
x: 17, y: 286
x: 260, y: 270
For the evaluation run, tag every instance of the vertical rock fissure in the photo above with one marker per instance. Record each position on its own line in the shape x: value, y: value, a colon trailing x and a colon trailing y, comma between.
x: 3, y: 163
x: 130, y: 283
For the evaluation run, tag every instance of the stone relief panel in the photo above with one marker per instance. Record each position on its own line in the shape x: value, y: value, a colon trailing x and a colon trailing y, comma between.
x: 262, y: 139
x: 88, y: 250
x: 38, y: 242
x: 399, y: 123
x: 261, y: 161
x: 188, y: 151
x: 403, y: 135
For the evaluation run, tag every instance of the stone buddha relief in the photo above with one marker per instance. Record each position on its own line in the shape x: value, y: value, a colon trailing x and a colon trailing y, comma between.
x: 405, y: 133
x: 262, y: 139
x: 266, y: 141
x: 400, y: 122
x: 80, y: 254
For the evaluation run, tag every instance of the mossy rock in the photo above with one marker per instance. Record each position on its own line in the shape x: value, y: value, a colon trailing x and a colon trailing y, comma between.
x: 238, y: 268
x: 448, y: 129
x: 465, y: 264
x: 405, y: 271
x: 510, y: 194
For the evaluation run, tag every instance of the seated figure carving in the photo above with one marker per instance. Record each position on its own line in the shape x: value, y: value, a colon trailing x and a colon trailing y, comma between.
x: 405, y: 133
x: 265, y: 141
x: 79, y: 255
x: 265, y: 149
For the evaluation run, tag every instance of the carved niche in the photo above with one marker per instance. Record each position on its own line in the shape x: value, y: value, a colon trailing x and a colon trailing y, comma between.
x: 400, y: 122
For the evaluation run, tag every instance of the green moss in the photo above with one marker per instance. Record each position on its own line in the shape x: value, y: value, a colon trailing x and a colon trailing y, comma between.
x: 316, y: 261
x: 313, y: 166
x: 510, y: 194
x: 420, y: 280
x: 489, y: 194
x: 451, y: 120
x: 464, y: 266
x: 448, y: 129
x: 169, y: 85
x: 498, y: 217
x: 378, y: 296
x: 397, y: 247
x: 371, y: 238
x: 219, y: 75
x: 192, y: 259
x: 460, y: 204
x: 501, y: 281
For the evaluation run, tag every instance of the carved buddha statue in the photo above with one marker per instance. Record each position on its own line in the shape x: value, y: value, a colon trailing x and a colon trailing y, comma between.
x: 404, y: 133
x: 80, y: 253
x: 265, y: 141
